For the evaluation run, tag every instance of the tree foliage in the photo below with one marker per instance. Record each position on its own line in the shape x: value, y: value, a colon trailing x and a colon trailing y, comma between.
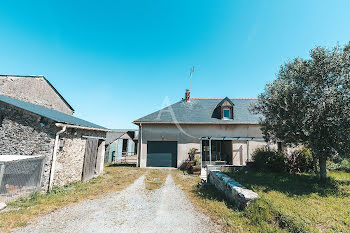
x: 309, y: 104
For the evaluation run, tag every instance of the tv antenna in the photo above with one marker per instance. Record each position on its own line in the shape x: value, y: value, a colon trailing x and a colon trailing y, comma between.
x: 191, y: 72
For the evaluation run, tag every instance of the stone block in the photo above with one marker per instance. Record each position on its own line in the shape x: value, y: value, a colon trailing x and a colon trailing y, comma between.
x: 233, y: 190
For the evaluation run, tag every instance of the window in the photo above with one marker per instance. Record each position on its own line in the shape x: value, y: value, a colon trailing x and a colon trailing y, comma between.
x: 227, y: 113
x: 125, y: 145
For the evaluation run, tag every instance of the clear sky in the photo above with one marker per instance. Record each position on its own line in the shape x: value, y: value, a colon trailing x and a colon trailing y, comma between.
x: 116, y: 61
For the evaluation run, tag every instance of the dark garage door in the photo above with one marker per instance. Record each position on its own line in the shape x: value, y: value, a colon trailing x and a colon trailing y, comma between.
x: 161, y: 154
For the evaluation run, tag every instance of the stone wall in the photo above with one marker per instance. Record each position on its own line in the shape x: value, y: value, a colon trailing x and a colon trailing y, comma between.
x: 22, y: 134
x: 33, y: 89
x: 70, y: 157
x: 234, y: 191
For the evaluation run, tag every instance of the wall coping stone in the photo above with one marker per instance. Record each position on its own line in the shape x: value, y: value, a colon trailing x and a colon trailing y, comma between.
x: 233, y: 190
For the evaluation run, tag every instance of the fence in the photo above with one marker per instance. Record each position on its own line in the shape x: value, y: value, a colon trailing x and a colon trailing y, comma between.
x: 19, y: 175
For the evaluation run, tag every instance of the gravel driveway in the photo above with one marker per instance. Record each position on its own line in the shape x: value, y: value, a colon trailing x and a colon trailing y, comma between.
x: 134, y: 209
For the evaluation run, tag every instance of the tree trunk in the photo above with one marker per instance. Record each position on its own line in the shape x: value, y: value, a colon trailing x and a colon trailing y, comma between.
x: 323, y: 167
x: 314, y: 162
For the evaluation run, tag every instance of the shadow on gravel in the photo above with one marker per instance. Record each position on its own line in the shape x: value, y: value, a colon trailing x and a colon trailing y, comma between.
x: 121, y: 165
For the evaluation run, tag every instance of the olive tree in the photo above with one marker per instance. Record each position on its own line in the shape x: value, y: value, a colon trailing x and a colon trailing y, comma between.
x: 309, y: 104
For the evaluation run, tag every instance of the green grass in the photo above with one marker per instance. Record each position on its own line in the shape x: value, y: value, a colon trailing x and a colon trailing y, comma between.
x: 288, y: 203
x: 300, y: 202
x: 28, y: 208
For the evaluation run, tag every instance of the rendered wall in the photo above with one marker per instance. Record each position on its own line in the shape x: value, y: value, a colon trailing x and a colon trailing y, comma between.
x: 188, y: 136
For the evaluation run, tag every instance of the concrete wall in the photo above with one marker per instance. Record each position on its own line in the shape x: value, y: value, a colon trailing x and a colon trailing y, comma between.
x: 32, y: 89
x: 188, y: 136
x: 234, y: 191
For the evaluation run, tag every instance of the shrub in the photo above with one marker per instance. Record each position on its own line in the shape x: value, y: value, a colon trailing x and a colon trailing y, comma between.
x: 301, y: 160
x: 270, y: 160
x: 344, y: 165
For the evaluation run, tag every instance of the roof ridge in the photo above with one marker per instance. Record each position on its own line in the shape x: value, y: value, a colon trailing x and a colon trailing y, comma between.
x: 23, y: 75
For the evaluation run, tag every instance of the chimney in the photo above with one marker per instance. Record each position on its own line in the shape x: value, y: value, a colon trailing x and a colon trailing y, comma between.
x: 187, y: 95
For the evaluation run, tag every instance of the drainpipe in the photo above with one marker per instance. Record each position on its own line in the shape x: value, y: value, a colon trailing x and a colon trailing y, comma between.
x: 140, y: 146
x: 54, y: 157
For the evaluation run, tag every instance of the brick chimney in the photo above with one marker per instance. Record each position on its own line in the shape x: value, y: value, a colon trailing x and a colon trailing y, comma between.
x: 187, y: 95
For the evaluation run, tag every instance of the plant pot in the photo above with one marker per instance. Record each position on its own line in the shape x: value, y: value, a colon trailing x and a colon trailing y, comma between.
x: 196, y: 170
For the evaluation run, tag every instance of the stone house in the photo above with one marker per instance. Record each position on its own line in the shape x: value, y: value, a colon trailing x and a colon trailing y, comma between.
x: 223, y: 131
x: 73, y: 149
x: 35, y: 89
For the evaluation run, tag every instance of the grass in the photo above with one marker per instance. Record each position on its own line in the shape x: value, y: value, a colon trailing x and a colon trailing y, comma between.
x: 26, y: 209
x: 289, y: 203
x: 303, y: 200
x: 155, y: 178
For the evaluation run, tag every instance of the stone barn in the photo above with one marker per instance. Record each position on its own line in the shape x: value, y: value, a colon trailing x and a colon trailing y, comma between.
x: 72, y: 149
x: 35, y: 89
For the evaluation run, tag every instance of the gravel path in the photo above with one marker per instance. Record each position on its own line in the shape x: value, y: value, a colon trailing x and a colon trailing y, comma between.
x: 134, y: 209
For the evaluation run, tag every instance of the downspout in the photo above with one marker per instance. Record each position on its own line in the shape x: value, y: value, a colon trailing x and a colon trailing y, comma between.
x: 54, y: 157
x: 140, y: 146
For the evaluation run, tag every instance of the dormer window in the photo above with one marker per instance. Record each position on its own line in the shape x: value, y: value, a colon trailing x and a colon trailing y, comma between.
x: 226, y: 113
x: 224, y: 110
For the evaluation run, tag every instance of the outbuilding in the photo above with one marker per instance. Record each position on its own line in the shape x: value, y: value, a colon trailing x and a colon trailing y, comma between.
x: 72, y: 149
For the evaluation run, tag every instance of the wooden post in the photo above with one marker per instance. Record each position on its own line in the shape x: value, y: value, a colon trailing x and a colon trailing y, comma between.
x: 248, y: 150
x: 201, y: 156
x: 210, y: 151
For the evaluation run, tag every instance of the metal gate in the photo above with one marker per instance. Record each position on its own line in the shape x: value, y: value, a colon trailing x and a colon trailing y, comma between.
x: 90, y: 159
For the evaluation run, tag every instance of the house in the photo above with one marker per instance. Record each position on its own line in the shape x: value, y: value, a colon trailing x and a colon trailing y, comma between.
x: 72, y: 149
x: 121, y: 144
x: 35, y: 89
x: 224, y: 131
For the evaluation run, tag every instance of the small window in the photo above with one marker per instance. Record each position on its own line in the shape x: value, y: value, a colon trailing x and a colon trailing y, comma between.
x: 227, y: 113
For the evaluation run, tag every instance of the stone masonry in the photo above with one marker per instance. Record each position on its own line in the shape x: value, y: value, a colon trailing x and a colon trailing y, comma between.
x: 34, y: 89
x: 24, y: 133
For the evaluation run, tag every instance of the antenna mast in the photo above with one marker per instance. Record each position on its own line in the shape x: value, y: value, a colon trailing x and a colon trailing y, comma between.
x: 191, y: 72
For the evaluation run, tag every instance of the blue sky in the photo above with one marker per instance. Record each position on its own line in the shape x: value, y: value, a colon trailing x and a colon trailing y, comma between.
x: 116, y: 61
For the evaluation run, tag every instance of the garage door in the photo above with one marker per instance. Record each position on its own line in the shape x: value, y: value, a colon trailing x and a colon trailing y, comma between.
x: 161, y: 154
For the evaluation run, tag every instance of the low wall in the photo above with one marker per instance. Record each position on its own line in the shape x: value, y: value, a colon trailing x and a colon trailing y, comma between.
x: 234, y: 191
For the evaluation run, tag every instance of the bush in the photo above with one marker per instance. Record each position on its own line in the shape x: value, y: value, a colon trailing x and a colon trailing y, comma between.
x: 270, y: 160
x: 301, y: 160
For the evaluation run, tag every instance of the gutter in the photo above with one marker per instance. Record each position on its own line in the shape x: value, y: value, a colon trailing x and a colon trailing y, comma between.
x: 54, y: 157
x: 196, y: 123
x: 81, y: 127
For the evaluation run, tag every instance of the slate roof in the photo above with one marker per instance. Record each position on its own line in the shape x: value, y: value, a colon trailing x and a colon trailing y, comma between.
x: 202, y: 111
x: 112, y: 136
x: 48, y: 113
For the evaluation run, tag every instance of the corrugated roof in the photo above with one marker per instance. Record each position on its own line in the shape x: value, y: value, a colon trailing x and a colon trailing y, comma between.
x: 48, y: 113
x: 202, y: 111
